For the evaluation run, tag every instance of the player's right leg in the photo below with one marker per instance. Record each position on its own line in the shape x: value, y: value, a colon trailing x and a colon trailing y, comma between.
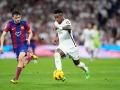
x: 57, y: 56
x: 19, y: 67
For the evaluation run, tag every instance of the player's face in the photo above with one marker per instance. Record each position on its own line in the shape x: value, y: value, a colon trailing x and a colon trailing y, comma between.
x: 16, y: 18
x: 58, y: 17
x: 89, y: 25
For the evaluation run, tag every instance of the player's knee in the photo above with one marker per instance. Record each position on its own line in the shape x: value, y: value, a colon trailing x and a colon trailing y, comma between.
x: 76, y: 62
x: 56, y: 54
x: 20, y: 58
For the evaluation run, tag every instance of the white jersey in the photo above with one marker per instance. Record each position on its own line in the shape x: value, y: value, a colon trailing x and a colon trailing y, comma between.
x: 66, y: 42
x: 88, y: 36
x: 65, y: 38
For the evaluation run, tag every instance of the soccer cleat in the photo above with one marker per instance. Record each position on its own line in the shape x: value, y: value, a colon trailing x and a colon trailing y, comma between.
x: 14, y: 81
x: 63, y: 79
x: 34, y: 57
x: 87, y: 75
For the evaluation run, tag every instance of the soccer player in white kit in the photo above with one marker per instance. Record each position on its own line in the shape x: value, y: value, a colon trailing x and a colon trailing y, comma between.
x: 67, y: 45
x: 88, y: 36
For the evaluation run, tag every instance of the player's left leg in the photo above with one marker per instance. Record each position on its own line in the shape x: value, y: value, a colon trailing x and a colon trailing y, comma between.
x: 82, y: 65
x: 74, y: 54
x: 90, y: 52
x: 30, y: 56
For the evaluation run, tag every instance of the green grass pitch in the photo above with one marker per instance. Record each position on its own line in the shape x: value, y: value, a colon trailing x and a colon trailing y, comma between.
x: 105, y: 75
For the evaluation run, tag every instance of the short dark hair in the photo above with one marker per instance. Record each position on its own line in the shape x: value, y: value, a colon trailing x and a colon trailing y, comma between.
x: 16, y: 12
x: 57, y: 11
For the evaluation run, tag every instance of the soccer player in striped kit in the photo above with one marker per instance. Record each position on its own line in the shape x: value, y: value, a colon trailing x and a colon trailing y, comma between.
x: 21, y: 35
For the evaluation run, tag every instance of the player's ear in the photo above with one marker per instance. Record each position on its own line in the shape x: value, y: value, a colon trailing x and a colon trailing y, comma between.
x: 12, y: 16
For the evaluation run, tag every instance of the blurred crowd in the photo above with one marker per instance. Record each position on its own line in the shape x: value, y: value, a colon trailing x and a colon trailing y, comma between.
x: 104, y: 13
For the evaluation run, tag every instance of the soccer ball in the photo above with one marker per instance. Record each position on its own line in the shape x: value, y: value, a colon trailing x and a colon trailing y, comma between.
x: 58, y: 75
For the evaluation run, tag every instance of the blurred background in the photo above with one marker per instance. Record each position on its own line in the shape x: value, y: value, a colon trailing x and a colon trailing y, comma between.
x: 105, y: 14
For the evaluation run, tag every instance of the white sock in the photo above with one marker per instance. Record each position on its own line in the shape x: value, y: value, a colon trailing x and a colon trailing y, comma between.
x: 58, y: 63
x: 83, y: 66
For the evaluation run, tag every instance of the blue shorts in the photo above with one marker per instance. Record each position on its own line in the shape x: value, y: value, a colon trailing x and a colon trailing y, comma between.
x: 19, y: 49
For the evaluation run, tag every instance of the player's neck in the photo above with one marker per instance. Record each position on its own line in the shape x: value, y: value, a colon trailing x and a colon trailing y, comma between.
x: 61, y: 21
x: 17, y: 23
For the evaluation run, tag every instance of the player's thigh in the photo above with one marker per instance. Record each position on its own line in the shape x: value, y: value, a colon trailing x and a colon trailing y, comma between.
x: 21, y: 56
x: 23, y: 50
x: 74, y: 53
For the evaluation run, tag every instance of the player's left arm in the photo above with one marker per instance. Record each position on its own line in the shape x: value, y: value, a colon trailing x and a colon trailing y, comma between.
x: 30, y: 34
x: 67, y: 26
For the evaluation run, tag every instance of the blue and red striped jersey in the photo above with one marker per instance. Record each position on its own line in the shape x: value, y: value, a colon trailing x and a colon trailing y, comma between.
x: 18, y: 32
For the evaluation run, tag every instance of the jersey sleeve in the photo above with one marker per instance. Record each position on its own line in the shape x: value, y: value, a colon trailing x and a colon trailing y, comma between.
x: 7, y: 27
x: 67, y: 22
x: 27, y: 26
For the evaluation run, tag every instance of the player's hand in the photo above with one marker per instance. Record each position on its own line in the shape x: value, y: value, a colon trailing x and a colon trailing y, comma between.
x: 55, y: 41
x: 1, y: 50
x: 28, y: 41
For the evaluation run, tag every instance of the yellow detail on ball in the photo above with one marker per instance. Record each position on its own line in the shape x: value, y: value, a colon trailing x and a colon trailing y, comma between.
x: 58, y: 75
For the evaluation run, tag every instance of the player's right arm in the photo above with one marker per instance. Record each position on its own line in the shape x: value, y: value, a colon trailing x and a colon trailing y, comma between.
x: 55, y: 39
x: 2, y: 39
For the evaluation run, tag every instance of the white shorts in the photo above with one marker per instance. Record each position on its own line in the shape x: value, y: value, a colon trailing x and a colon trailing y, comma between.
x: 89, y: 45
x: 72, y: 52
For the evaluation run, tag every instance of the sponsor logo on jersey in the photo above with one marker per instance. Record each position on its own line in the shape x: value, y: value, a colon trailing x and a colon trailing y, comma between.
x: 18, y: 34
x: 22, y: 27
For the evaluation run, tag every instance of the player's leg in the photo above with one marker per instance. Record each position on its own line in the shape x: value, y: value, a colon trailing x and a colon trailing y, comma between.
x: 57, y: 56
x: 19, y: 66
x: 74, y: 54
x: 88, y: 46
x: 29, y: 56
x: 91, y: 52
x: 82, y: 65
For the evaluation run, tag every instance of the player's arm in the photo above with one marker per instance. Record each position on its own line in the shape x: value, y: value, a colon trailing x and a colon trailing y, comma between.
x: 67, y: 28
x: 55, y: 39
x: 2, y: 41
x: 30, y: 34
